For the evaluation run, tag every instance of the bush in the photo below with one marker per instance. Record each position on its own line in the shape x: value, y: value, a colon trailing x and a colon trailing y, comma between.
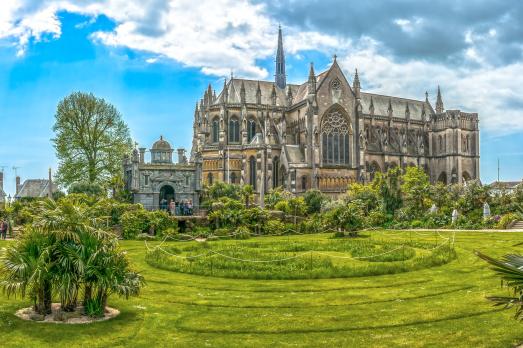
x: 283, y: 206
x: 507, y: 219
x: 311, y: 225
x: 242, y: 232
x: 376, y: 218
x: 134, y: 223
x: 222, y: 232
x: 87, y: 188
x: 314, y: 200
x: 275, y: 227
x: 145, y: 236
x: 416, y: 224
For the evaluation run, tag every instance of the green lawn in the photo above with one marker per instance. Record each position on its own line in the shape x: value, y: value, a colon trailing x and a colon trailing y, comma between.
x: 441, y: 306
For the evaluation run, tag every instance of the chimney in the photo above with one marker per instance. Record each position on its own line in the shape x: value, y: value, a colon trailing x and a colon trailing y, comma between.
x: 17, y: 184
x: 181, y: 156
x: 142, y: 155
x: 50, y: 186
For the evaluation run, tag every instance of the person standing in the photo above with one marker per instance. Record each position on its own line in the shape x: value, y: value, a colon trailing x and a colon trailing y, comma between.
x: 172, y: 207
x: 3, y: 228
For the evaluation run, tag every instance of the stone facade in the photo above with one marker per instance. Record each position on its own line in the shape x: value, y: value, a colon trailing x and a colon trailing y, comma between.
x: 150, y: 182
x: 326, y: 133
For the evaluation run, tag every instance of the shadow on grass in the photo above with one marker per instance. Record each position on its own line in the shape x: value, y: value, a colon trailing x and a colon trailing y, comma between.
x: 179, y: 325
x: 292, y: 290
x: 411, y: 298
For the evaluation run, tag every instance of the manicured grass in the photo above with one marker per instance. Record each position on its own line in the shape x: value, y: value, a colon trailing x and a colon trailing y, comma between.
x: 441, y: 306
x: 301, y: 259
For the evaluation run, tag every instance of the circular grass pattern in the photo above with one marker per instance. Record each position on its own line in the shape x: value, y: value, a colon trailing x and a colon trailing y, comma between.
x: 285, y: 259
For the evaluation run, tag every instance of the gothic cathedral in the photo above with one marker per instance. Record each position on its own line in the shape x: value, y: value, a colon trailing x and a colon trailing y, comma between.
x: 326, y: 133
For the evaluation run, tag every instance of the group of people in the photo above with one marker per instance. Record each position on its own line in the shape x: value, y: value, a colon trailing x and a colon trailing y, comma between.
x: 4, y: 227
x: 183, y: 208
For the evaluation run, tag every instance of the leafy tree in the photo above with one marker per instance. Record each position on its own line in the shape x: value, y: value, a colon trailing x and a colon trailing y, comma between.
x: 276, y: 195
x: 367, y: 194
x: 314, y: 200
x: 220, y: 189
x: 90, y: 139
x: 345, y: 217
x: 91, y: 189
x: 415, y: 188
x: 388, y: 187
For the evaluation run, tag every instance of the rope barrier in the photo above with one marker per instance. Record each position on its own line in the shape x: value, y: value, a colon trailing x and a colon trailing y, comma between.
x: 450, y: 240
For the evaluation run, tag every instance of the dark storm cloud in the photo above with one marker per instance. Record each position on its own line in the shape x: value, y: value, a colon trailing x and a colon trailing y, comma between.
x: 437, y: 28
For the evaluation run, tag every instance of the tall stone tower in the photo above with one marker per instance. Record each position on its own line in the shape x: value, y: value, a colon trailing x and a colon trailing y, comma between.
x: 281, y: 80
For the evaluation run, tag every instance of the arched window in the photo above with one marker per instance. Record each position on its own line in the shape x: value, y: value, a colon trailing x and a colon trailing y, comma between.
x: 234, y: 130
x: 275, y: 172
x: 252, y: 172
x: 209, y: 178
x: 233, y: 178
x: 304, y: 183
x: 251, y: 130
x: 215, y: 130
x: 335, y: 139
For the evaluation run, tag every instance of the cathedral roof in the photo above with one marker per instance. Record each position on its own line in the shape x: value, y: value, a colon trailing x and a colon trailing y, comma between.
x: 161, y: 144
x: 399, y: 105
x: 251, y: 86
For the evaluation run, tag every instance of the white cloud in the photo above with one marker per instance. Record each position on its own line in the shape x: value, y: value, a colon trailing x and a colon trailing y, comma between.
x: 219, y: 35
x: 408, y: 25
x: 215, y: 36
x: 489, y: 91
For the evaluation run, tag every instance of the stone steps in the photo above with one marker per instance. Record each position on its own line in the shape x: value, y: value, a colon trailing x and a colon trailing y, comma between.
x: 518, y: 225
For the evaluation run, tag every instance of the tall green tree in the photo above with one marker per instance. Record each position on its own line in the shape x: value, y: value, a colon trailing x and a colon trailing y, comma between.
x: 91, y: 140
x: 389, y: 188
x: 416, y: 189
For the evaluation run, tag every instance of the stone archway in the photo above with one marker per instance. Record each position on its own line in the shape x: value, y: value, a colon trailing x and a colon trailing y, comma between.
x: 466, y: 176
x: 443, y: 178
x: 166, y: 195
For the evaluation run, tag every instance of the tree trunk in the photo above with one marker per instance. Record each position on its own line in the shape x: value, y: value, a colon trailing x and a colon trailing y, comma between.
x: 88, y: 293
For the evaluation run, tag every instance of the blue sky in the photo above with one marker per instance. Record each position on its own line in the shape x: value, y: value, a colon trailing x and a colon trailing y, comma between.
x: 154, y: 59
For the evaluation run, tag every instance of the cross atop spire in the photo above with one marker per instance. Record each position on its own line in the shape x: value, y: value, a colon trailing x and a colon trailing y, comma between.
x: 281, y: 79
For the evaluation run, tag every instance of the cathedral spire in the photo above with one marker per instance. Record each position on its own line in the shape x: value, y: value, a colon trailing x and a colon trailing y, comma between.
x: 242, y: 93
x: 312, y: 80
x: 258, y: 93
x: 389, y: 109
x: 281, y: 80
x: 439, y: 103
x: 273, y: 94
x: 356, y: 85
x: 371, y: 106
x: 225, y: 93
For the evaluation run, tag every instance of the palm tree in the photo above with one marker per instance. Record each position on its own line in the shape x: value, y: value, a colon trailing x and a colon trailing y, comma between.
x: 510, y: 269
x: 66, y: 251
x: 247, y: 193
x: 72, y: 233
x: 25, y: 269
